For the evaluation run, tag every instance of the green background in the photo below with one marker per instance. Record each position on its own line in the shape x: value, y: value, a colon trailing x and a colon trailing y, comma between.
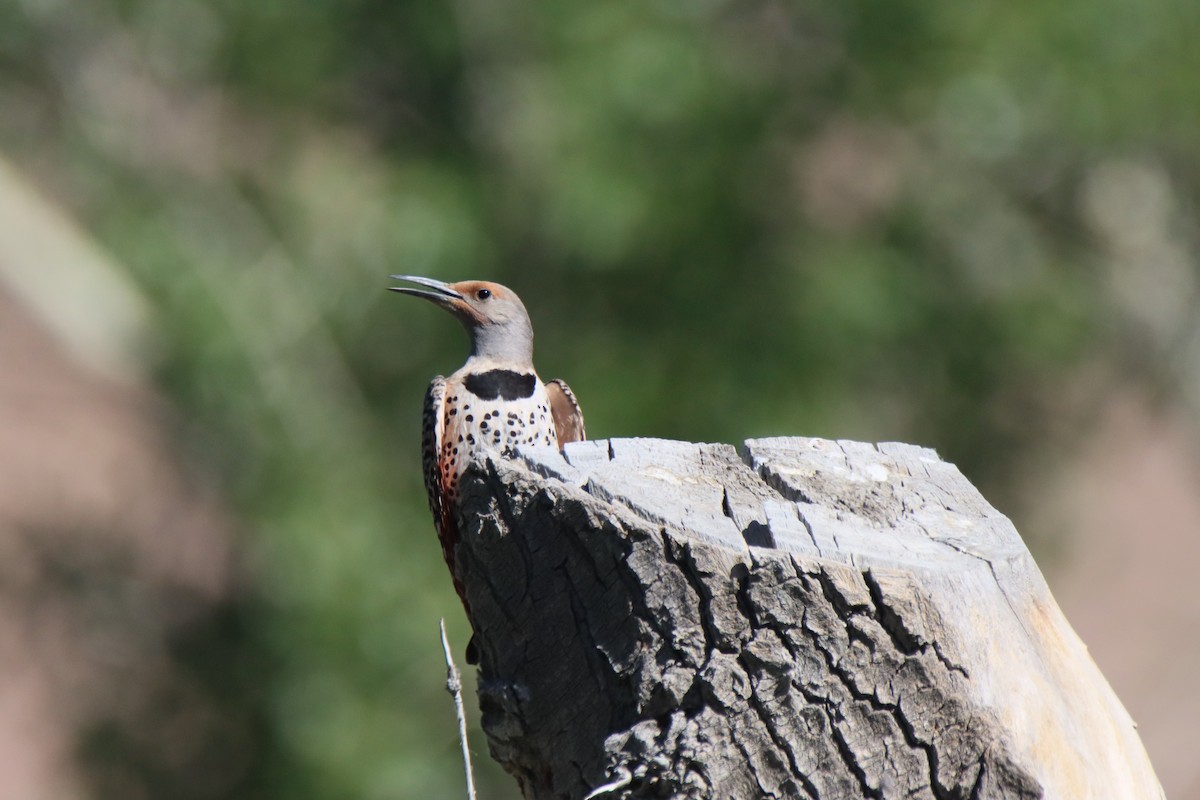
x: 917, y: 221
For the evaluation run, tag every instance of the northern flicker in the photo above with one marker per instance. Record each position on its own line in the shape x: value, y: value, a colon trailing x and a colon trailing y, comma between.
x: 494, y: 402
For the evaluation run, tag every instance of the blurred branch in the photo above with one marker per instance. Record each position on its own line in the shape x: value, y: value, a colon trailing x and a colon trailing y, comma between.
x: 73, y: 287
x: 454, y: 687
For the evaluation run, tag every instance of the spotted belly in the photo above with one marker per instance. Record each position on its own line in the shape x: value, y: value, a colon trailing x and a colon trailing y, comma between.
x: 474, y: 424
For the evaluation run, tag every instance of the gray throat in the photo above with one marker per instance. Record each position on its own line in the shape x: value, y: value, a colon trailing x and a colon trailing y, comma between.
x: 503, y: 343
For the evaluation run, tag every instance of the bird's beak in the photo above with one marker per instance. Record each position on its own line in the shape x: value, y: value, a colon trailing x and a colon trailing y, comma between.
x: 442, y: 293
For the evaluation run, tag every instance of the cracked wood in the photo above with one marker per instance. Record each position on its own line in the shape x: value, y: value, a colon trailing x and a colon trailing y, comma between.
x: 804, y: 618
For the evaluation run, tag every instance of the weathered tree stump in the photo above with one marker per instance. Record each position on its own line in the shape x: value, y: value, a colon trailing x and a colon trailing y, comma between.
x: 808, y: 619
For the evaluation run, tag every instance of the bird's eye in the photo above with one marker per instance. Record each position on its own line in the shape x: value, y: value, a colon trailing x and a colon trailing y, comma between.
x: 484, y: 294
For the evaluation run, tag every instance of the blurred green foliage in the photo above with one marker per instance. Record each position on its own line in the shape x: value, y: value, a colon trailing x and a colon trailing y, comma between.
x: 728, y: 219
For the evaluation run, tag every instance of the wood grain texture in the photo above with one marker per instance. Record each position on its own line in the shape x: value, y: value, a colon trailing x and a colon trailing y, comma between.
x: 804, y: 618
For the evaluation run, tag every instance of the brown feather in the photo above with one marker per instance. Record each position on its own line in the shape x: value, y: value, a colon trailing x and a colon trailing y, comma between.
x: 440, y: 503
x: 564, y: 408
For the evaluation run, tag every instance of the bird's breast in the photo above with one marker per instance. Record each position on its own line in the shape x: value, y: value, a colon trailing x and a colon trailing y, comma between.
x: 478, y: 418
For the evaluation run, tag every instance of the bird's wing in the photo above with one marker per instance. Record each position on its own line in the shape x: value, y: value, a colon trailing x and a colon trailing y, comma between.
x: 432, y: 427
x: 432, y: 435
x: 564, y: 408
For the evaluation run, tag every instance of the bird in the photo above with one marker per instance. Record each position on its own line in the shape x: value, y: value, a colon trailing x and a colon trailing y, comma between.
x: 494, y: 402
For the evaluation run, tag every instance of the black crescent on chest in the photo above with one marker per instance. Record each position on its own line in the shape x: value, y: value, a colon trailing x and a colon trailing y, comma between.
x: 501, y: 384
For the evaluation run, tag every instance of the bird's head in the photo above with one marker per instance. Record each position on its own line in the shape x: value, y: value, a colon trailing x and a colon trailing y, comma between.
x: 493, y: 315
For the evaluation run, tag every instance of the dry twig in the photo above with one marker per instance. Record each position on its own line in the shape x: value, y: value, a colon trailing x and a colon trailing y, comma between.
x: 454, y: 687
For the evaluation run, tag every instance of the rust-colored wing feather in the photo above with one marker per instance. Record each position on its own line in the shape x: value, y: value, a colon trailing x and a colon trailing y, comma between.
x: 564, y: 408
x: 433, y: 428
